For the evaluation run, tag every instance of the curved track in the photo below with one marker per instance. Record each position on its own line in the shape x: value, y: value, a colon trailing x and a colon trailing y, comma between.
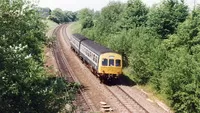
x: 127, y: 103
x: 66, y: 72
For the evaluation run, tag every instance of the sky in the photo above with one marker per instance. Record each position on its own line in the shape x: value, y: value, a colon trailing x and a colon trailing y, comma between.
x: 75, y: 5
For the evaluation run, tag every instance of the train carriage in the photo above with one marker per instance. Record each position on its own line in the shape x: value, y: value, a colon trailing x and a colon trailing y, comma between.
x: 88, y: 54
x: 75, y: 41
x: 104, y: 62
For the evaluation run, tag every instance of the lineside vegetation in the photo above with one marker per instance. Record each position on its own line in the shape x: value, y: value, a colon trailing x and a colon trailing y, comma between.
x: 160, y: 45
x: 25, y: 86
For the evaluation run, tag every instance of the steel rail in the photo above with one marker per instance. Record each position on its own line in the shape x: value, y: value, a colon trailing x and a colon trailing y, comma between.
x: 67, y: 69
x: 132, y: 99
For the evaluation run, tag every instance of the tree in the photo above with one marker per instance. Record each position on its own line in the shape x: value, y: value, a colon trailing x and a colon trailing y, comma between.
x: 86, y: 18
x: 60, y: 16
x: 161, y: 48
x: 53, y: 18
x: 105, y: 23
x: 58, y: 13
x: 182, y: 75
x: 180, y: 81
x: 24, y: 83
x: 141, y: 58
x: 110, y: 16
x: 165, y: 18
x: 25, y: 30
x: 70, y: 16
x: 44, y: 12
x: 135, y: 14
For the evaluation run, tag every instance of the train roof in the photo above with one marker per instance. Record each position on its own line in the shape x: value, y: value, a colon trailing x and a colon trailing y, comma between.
x: 79, y: 37
x: 95, y: 47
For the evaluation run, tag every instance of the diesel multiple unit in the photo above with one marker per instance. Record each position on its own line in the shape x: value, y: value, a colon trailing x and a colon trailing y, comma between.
x: 102, y: 61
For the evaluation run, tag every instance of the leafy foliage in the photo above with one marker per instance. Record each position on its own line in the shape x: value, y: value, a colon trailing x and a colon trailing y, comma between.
x: 165, y: 18
x: 60, y: 16
x: 44, y: 12
x: 85, y: 16
x: 160, y: 45
x: 109, y: 18
x: 24, y: 85
x: 135, y: 14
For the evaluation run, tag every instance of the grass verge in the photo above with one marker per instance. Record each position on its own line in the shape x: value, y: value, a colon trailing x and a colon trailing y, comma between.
x: 148, y: 88
x: 75, y: 27
x: 51, y: 24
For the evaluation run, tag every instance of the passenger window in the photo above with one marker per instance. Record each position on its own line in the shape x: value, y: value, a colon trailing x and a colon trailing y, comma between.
x: 104, y: 62
x: 95, y: 59
x: 111, y: 62
x: 89, y: 54
x: 118, y: 62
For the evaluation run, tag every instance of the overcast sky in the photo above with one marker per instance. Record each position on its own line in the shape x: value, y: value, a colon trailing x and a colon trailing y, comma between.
x: 75, y: 5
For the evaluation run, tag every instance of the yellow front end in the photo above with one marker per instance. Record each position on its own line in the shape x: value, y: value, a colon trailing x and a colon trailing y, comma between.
x: 110, y: 63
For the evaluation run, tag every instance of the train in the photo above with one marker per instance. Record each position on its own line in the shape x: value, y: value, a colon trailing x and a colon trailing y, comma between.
x: 103, y: 62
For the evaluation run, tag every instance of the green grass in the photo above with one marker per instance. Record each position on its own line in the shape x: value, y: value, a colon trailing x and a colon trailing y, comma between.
x: 51, y: 24
x: 50, y: 27
x: 127, y: 72
x: 152, y: 93
x: 75, y: 27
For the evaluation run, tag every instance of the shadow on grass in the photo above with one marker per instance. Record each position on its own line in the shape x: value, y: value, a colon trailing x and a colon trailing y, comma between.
x: 122, y: 80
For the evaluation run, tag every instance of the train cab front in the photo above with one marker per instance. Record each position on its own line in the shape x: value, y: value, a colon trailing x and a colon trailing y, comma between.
x: 110, y: 65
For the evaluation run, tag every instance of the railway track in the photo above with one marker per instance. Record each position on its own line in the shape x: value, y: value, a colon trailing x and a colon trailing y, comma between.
x: 129, y: 96
x: 66, y: 72
x: 129, y: 103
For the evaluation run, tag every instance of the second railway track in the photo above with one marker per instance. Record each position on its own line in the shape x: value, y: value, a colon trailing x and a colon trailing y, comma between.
x: 126, y: 100
x: 66, y: 72
x: 129, y: 103
x: 122, y: 101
